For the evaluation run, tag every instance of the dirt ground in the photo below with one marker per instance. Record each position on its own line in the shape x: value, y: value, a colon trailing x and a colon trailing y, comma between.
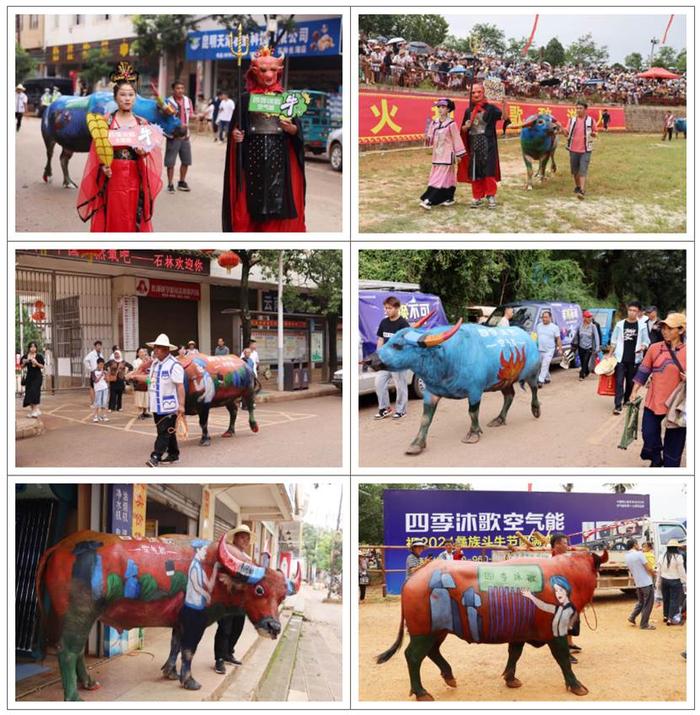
x: 619, y: 662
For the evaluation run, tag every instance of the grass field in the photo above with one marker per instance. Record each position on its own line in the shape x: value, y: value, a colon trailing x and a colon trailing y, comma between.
x: 636, y: 184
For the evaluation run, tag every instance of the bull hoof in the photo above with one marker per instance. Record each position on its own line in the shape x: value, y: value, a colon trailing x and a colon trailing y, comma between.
x: 415, y: 449
x: 514, y: 683
x: 536, y: 412
x: 497, y: 422
x: 449, y: 680
x: 578, y: 689
x: 228, y: 433
x: 92, y: 685
x: 170, y: 672
x: 471, y: 438
x: 191, y: 684
x: 254, y: 427
x: 425, y: 696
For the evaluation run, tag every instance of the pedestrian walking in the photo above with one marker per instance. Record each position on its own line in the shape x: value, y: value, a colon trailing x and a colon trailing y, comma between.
x: 90, y: 362
x: 628, y: 342
x: 653, y: 326
x: 581, y: 131
x: 117, y: 369
x: 215, y: 104
x: 642, y: 575
x: 671, y: 581
x: 363, y: 574
x: 548, y: 343
x: 221, y: 347
x: 586, y: 341
x: 229, y: 629
x: 664, y: 368
x: 605, y: 116
x: 179, y: 146
x: 32, y: 364
x: 45, y: 101
x: 250, y: 353
x: 21, y: 101
x: 223, y: 118
x: 669, y: 121
x: 391, y: 324
x: 98, y: 378
x: 166, y: 397
x: 141, y: 396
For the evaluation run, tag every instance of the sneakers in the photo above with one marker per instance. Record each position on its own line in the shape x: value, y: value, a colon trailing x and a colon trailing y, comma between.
x: 151, y: 462
x: 232, y: 660
x: 449, y: 202
x: 384, y: 412
x: 398, y: 415
x: 491, y: 201
x: 617, y: 411
x: 475, y: 204
x: 171, y: 459
x: 182, y: 186
x: 426, y: 205
x: 104, y: 419
x: 579, y: 193
x: 647, y: 628
x: 171, y: 189
x: 219, y: 666
x: 95, y: 419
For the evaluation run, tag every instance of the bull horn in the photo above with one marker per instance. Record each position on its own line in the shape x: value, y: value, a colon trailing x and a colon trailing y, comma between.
x: 246, y: 570
x: 604, y: 556
x: 422, y: 321
x: 297, y: 578
x: 431, y: 341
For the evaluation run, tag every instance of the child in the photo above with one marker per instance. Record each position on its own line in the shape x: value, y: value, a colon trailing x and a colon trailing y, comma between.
x: 444, y: 137
x: 99, y: 382
x: 648, y: 550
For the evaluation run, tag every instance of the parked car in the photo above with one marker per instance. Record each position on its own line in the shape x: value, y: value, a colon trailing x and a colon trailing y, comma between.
x: 318, y: 122
x: 334, y: 149
x: 528, y: 313
x: 605, y: 317
x: 478, y: 313
x: 35, y: 88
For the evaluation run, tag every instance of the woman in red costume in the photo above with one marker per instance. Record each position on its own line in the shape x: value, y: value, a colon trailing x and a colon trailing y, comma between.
x: 120, y: 197
x: 264, y: 182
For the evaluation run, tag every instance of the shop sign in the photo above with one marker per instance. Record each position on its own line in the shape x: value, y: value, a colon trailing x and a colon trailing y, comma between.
x: 130, y: 322
x: 138, y: 519
x: 80, y: 51
x: 121, y: 508
x: 158, y: 288
x: 269, y: 301
x: 270, y: 323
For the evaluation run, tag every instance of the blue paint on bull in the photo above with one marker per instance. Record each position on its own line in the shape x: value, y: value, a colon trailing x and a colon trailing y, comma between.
x: 440, y: 610
x: 538, y: 141
x: 462, y: 363
x: 681, y: 126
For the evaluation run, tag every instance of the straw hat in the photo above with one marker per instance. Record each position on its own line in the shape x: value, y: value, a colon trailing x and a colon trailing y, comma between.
x: 162, y: 341
x: 606, y: 366
x: 674, y: 320
x: 21, y: 87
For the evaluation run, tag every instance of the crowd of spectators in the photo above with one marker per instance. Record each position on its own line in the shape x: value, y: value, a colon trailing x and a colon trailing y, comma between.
x: 443, y: 69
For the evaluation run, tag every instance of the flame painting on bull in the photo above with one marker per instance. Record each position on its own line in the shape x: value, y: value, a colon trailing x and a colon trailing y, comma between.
x: 212, y: 381
x: 462, y: 361
x: 129, y: 582
x: 515, y: 602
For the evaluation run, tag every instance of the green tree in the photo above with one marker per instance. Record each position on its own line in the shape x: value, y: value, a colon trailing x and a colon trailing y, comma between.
x: 425, y: 28
x: 620, y: 487
x: 24, y: 64
x: 665, y: 57
x: 586, y: 52
x: 26, y: 330
x: 634, y: 61
x: 458, y: 44
x: 317, y: 547
x: 95, y: 68
x: 554, y: 53
x: 681, y: 61
x: 378, y: 25
x: 491, y: 39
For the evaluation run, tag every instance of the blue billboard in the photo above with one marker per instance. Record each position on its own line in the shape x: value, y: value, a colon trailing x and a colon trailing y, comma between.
x: 478, y: 521
x: 309, y: 38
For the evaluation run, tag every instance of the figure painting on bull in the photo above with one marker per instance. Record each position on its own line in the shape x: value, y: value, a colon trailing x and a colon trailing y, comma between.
x: 538, y: 142
x: 494, y: 603
x: 127, y: 582
x: 463, y: 361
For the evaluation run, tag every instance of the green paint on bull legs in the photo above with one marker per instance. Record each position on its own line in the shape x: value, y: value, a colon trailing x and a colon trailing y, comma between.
x: 528, y: 166
x: 515, y: 650
x: 67, y: 661
x: 430, y: 403
x: 560, y: 650
x: 415, y: 653
x: 86, y: 680
x: 508, y: 396
x: 472, y: 437
x: 445, y: 668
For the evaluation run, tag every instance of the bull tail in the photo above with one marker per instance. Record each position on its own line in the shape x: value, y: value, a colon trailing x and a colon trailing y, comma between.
x: 44, y: 621
x: 522, y: 385
x: 387, y: 654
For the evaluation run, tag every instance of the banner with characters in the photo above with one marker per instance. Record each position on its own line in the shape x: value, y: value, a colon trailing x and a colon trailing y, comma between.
x: 401, y: 117
x: 477, y: 521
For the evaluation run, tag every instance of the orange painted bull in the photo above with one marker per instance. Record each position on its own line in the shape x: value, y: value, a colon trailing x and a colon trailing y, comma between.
x: 127, y: 582
x: 516, y: 602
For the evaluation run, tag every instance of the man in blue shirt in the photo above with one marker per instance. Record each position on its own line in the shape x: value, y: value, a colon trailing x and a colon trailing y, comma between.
x: 548, y: 342
x: 643, y: 579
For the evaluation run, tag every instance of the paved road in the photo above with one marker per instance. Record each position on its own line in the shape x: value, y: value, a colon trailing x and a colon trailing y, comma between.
x: 299, y: 433
x: 576, y: 429
x: 49, y: 207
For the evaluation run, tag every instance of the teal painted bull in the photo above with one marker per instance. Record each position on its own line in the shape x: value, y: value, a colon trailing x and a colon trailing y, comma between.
x: 538, y: 142
x: 462, y: 362
x: 64, y: 123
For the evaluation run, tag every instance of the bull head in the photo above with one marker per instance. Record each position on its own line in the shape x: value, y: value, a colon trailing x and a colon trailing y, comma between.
x: 599, y: 559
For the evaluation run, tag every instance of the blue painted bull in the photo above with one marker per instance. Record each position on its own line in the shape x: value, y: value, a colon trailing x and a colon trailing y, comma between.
x: 65, y: 123
x: 462, y: 361
x: 681, y: 127
x: 538, y: 142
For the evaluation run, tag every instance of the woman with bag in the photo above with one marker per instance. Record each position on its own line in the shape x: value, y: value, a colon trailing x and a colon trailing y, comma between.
x: 671, y: 580
x: 665, y: 364
x: 33, y: 362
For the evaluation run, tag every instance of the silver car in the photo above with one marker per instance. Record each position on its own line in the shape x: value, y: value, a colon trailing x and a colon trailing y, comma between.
x: 334, y: 149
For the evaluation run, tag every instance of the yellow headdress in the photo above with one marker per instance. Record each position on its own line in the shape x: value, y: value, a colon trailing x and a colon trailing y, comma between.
x: 124, y: 72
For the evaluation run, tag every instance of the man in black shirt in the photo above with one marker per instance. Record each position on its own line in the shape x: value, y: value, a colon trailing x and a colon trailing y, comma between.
x: 390, y: 325
x: 628, y: 342
x: 653, y: 327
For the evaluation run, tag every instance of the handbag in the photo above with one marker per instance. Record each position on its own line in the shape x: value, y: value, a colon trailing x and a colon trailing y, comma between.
x: 23, y: 379
x: 676, y: 416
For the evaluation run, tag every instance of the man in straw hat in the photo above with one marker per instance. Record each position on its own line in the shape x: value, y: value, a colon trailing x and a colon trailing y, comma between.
x: 20, y: 104
x: 230, y: 628
x: 413, y: 560
x: 166, y: 399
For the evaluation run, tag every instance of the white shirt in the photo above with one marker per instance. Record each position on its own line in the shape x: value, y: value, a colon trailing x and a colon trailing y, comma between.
x: 255, y: 359
x: 674, y: 571
x: 225, y: 111
x: 503, y: 322
x: 162, y: 389
x: 90, y: 360
x: 20, y: 102
x: 100, y: 383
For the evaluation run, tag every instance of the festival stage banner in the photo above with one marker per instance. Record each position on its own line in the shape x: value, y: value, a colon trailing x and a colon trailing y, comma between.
x: 387, y: 117
x: 478, y: 521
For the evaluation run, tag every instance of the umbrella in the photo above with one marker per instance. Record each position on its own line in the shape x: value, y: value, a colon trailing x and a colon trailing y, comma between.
x: 594, y: 81
x: 381, y: 39
x: 396, y: 41
x: 457, y: 69
x: 658, y: 73
x: 420, y: 48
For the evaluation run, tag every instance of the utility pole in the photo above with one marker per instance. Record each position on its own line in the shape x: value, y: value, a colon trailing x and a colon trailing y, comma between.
x: 654, y: 42
x: 280, y: 324
x: 333, y: 550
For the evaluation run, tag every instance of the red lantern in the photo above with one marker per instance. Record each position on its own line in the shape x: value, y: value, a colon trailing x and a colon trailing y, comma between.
x: 39, y: 304
x: 229, y: 260
x: 38, y: 316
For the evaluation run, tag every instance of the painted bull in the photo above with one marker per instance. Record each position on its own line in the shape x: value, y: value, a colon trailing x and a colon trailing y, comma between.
x: 538, y: 142
x: 681, y: 127
x: 127, y: 582
x: 462, y: 361
x: 64, y: 123
x: 516, y: 602
x: 212, y: 381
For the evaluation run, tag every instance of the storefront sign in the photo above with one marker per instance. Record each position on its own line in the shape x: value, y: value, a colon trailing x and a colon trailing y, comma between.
x: 130, y: 322
x: 269, y: 301
x: 79, y: 52
x: 121, y: 508
x: 138, y: 519
x: 481, y: 520
x: 158, y: 288
x: 272, y: 323
x: 391, y: 117
x: 309, y: 38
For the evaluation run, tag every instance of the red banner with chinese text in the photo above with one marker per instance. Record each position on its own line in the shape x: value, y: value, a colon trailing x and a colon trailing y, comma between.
x: 157, y: 288
x: 397, y: 117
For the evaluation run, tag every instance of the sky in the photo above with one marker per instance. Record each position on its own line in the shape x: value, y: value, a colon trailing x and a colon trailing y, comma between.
x: 622, y: 34
x: 323, y: 502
